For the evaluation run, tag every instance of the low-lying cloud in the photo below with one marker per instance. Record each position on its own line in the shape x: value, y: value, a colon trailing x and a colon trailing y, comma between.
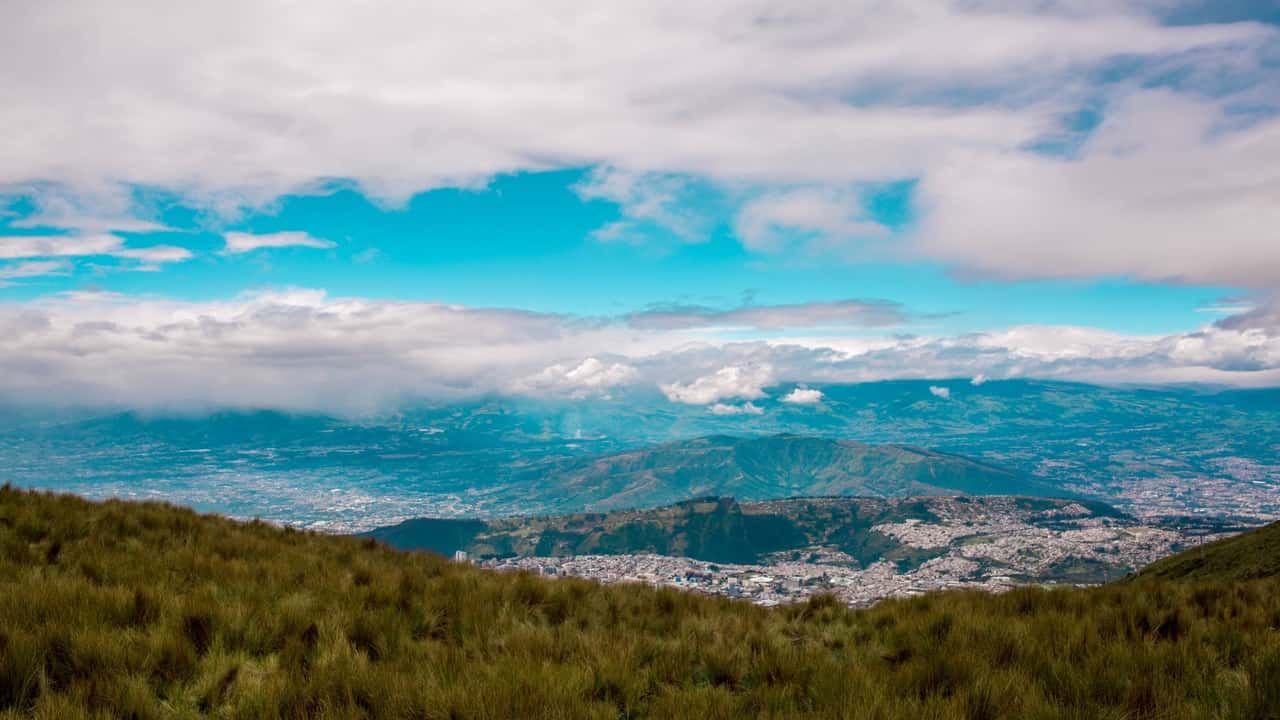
x: 304, y: 350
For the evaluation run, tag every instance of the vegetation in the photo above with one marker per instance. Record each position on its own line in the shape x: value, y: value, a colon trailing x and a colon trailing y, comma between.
x: 149, y: 611
x: 715, y: 529
x: 1247, y: 556
x: 765, y: 468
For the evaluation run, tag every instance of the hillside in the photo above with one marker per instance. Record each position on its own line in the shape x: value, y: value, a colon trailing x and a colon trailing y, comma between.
x: 726, y: 531
x: 150, y: 611
x: 765, y: 468
x: 1250, y: 555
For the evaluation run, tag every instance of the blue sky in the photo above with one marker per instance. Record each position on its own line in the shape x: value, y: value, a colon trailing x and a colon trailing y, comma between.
x: 526, y: 241
x: 709, y: 200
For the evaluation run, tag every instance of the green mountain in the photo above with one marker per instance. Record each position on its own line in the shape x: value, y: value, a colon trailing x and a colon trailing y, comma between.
x: 143, y: 610
x: 1250, y: 555
x: 712, y: 529
x: 764, y: 468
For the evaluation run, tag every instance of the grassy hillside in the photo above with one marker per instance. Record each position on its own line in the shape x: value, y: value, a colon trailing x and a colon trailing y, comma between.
x: 149, y: 611
x: 1255, y: 554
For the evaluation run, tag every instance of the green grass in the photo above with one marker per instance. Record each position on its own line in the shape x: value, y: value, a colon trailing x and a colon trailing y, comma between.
x: 1251, y: 555
x: 149, y: 611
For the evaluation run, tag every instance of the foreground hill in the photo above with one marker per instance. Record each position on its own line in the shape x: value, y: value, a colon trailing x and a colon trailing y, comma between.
x: 1250, y: 555
x: 764, y: 468
x: 150, y: 611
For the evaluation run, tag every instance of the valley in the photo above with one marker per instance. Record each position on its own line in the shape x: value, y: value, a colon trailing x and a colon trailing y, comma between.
x: 860, y: 550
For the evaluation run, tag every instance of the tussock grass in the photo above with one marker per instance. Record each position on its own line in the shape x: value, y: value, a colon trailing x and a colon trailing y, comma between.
x: 126, y: 610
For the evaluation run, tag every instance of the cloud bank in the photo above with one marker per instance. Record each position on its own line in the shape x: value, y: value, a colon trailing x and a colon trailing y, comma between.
x: 304, y: 350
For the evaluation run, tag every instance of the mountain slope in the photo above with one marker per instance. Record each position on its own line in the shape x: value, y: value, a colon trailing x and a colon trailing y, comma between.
x: 765, y: 468
x: 150, y: 611
x: 1250, y: 555
x: 721, y: 529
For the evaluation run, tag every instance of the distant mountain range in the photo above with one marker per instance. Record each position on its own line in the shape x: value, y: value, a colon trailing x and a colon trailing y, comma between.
x: 1172, y: 452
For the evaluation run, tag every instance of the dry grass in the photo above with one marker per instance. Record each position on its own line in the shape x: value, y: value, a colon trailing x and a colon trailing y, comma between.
x: 149, y: 611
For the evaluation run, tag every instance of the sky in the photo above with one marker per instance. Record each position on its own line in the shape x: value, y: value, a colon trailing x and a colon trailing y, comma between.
x: 340, y: 208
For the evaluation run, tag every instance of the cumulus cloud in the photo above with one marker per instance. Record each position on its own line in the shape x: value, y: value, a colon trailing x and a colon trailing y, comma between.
x: 743, y: 409
x: 784, y: 107
x: 591, y: 376
x: 301, y: 349
x: 939, y: 391
x: 1165, y: 189
x: 839, y: 313
x: 803, y: 396
x: 746, y: 382
x: 240, y: 242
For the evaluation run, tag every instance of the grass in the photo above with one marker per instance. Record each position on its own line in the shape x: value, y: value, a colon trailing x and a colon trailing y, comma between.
x: 1247, y: 556
x: 132, y: 610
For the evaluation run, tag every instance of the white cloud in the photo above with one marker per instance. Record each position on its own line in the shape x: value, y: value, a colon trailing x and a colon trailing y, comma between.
x: 650, y: 198
x: 236, y: 103
x: 803, y: 396
x: 101, y: 244
x: 592, y: 375
x: 815, y: 219
x: 240, y: 242
x: 100, y: 208
x: 938, y: 391
x: 743, y: 409
x: 301, y: 349
x: 978, y: 379
x: 746, y: 382
x: 1164, y: 190
x: 32, y: 268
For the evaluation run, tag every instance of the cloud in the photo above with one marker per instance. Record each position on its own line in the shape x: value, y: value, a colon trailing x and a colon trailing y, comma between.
x: 815, y: 219
x: 645, y: 199
x: 591, y: 376
x: 101, y: 244
x: 746, y: 382
x: 803, y: 396
x: 783, y: 107
x: 1166, y: 189
x: 304, y: 350
x: 1263, y: 318
x: 979, y: 379
x: 101, y: 208
x: 743, y: 409
x: 938, y: 391
x: 839, y: 313
x: 240, y: 242
x: 33, y: 268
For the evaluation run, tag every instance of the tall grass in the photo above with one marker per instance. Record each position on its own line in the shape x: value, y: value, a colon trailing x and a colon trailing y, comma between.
x: 149, y: 611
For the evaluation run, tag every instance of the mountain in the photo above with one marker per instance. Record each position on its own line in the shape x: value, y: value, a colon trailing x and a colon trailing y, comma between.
x: 764, y: 468
x: 145, y: 610
x: 1191, y: 452
x: 1247, y: 556
x: 723, y: 530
